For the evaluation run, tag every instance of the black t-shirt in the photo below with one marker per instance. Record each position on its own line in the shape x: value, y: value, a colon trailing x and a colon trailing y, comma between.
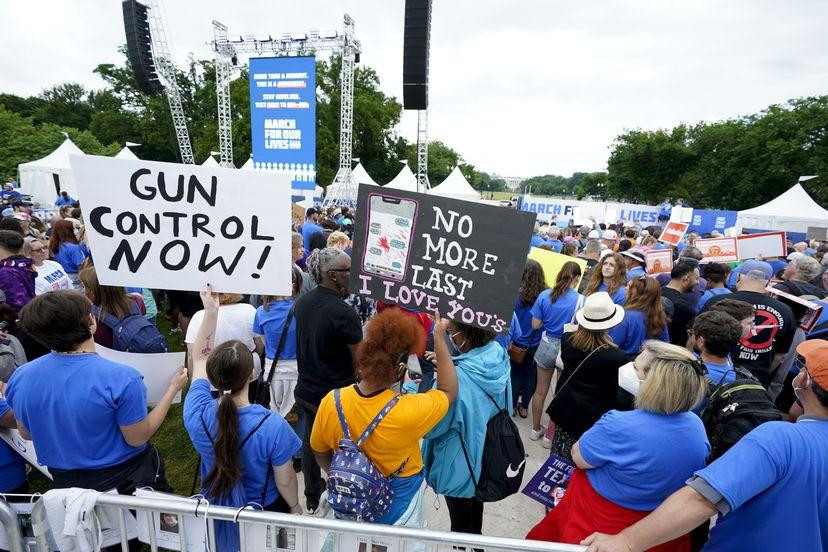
x: 325, y: 326
x: 587, y: 275
x: 775, y: 331
x: 681, y: 316
x: 591, y: 391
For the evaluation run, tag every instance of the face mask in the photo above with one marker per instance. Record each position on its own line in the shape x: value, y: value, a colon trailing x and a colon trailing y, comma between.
x: 798, y: 390
x: 453, y: 347
x: 628, y: 379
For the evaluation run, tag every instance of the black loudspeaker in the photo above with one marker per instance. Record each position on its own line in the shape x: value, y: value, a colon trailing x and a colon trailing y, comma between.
x: 139, y: 47
x: 415, y: 53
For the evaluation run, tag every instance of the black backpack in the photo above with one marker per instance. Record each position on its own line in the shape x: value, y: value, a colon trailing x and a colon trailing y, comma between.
x: 504, y: 458
x: 735, y: 409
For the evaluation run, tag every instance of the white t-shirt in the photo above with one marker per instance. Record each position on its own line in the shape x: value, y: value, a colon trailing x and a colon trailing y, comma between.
x: 234, y: 322
x: 51, y: 277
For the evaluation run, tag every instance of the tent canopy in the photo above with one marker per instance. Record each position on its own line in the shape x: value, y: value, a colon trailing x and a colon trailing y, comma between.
x: 361, y: 176
x: 210, y: 162
x: 405, y: 180
x: 456, y: 186
x: 44, y: 178
x: 793, y: 211
x: 248, y: 165
x: 126, y: 153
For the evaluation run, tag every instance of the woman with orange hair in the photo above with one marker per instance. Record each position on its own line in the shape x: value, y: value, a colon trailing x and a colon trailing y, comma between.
x: 394, y: 444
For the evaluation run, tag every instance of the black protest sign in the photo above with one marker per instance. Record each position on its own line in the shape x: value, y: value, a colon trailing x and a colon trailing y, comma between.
x: 426, y: 252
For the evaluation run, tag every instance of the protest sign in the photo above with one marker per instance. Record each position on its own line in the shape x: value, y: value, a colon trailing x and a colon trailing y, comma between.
x: 180, y: 227
x: 24, y: 448
x: 681, y: 214
x: 552, y: 263
x: 718, y: 250
x: 658, y: 260
x: 817, y: 233
x: 546, y: 485
x: 812, y: 310
x: 157, y: 368
x: 766, y: 244
x: 673, y: 232
x: 426, y: 252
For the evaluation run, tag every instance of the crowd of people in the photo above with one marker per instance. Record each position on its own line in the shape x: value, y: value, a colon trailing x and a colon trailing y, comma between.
x: 623, y: 372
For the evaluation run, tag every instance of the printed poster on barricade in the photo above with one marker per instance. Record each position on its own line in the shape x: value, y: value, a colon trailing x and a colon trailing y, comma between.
x: 552, y: 263
x: 673, y: 232
x: 718, y: 250
x: 425, y: 252
x: 24, y: 448
x: 179, y: 227
x: 658, y: 260
x: 547, y: 485
x: 158, y: 369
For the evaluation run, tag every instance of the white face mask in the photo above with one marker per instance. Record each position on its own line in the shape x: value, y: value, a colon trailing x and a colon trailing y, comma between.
x: 628, y: 378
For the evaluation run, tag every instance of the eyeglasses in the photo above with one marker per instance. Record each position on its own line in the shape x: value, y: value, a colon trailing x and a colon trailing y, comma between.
x: 799, y: 362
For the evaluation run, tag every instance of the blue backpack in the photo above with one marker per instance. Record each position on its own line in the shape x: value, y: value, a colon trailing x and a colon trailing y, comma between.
x: 133, y: 334
x: 357, y: 489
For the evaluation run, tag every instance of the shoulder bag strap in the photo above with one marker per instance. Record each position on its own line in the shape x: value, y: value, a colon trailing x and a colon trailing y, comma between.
x: 281, y: 345
x: 373, y: 425
x: 468, y: 462
x: 578, y: 306
x: 559, y: 389
x: 341, y: 415
x: 109, y: 319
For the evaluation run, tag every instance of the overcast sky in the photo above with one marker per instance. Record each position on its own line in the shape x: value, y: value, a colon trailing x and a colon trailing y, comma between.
x: 519, y: 88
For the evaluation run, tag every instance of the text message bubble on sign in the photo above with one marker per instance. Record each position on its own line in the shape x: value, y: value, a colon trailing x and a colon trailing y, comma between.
x: 426, y: 252
x: 180, y: 227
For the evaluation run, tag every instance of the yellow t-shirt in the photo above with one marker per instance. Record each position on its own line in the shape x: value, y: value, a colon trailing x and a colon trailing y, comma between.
x: 397, y: 436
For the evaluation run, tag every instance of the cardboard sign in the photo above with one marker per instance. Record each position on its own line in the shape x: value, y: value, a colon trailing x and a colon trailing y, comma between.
x: 427, y: 252
x: 681, y: 214
x: 718, y: 250
x: 673, y: 232
x: 24, y: 448
x: 157, y: 369
x: 552, y: 263
x: 180, y: 227
x: 297, y: 214
x: 546, y: 486
x: 767, y: 244
x: 813, y: 313
x: 658, y: 260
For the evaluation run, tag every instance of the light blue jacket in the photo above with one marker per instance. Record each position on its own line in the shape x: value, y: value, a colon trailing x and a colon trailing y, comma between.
x: 481, y: 371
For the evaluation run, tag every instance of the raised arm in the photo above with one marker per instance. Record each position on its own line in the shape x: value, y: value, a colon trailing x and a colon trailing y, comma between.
x: 206, y: 338
x: 446, y: 373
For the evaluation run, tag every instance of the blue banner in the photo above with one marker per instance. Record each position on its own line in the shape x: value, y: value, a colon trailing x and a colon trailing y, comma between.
x: 705, y: 221
x: 283, y: 117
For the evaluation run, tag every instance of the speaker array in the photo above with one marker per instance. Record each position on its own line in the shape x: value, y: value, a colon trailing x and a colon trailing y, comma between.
x: 415, y: 53
x: 139, y: 47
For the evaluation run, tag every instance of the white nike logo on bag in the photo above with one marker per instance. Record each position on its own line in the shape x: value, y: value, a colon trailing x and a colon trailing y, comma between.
x: 510, y: 473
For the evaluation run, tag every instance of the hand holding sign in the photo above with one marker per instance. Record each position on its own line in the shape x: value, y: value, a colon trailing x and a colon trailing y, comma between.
x: 209, y: 298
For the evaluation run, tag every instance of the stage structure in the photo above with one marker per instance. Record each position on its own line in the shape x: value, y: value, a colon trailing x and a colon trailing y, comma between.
x: 423, y: 185
x: 227, y: 48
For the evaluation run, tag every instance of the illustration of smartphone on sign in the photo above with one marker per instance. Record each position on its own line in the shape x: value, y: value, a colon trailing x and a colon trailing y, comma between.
x: 388, y: 240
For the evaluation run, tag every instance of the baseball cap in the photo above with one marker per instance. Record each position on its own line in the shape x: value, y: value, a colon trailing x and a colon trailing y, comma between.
x: 810, y: 251
x: 311, y: 211
x: 815, y: 352
x: 636, y: 255
x: 794, y: 255
x: 7, y: 212
x: 758, y: 270
x: 609, y: 235
x: 594, y: 235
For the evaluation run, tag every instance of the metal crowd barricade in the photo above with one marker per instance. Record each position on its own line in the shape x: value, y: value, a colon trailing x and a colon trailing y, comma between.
x: 406, y: 539
x: 8, y: 518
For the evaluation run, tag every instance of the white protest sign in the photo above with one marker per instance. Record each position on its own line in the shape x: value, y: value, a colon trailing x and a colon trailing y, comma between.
x: 766, y: 244
x: 24, y: 448
x: 157, y: 369
x: 180, y: 227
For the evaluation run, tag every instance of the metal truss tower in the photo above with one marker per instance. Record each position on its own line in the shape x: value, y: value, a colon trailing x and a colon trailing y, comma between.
x: 166, y: 69
x: 423, y: 185
x: 224, y: 72
x: 226, y: 47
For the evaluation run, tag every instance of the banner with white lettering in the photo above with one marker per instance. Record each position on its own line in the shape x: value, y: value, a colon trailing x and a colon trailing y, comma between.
x: 180, y: 227
x: 581, y: 211
x: 426, y: 252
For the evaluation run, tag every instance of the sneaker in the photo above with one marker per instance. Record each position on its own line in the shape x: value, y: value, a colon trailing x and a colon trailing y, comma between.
x: 535, y: 435
x: 546, y: 442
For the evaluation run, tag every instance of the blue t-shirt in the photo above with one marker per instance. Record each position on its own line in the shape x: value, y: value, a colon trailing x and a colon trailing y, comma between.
x: 273, y: 444
x: 514, y: 332
x: 619, y: 297
x: 70, y: 256
x: 73, y: 407
x: 665, y: 209
x: 525, y: 333
x: 716, y: 371
x: 554, y: 244
x: 309, y: 229
x: 536, y: 241
x: 12, y: 465
x: 634, y: 273
x: 270, y: 324
x: 707, y: 295
x: 641, y: 458
x: 631, y: 333
x: 555, y: 314
x: 775, y: 480
x: 60, y: 201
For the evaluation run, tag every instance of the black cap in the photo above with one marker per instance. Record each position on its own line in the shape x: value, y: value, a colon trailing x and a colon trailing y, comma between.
x: 311, y: 211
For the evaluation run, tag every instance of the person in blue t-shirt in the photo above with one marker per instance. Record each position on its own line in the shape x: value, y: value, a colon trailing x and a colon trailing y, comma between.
x: 536, y: 240
x: 610, y: 275
x: 768, y: 489
x: 64, y: 199
x: 12, y: 465
x: 523, y: 375
x: 237, y: 441
x: 86, y: 415
x: 644, y: 317
x: 66, y: 250
x: 8, y: 193
x: 665, y: 209
x: 716, y: 275
x: 553, y: 235
x: 310, y: 227
x: 269, y: 325
x: 714, y: 335
x: 636, y: 263
x: 552, y: 309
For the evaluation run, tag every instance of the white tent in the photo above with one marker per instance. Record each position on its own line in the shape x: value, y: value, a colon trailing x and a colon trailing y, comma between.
x: 793, y: 211
x: 210, y: 162
x: 456, y: 186
x: 126, y: 153
x: 361, y: 176
x: 405, y: 181
x: 45, y: 178
x: 248, y: 165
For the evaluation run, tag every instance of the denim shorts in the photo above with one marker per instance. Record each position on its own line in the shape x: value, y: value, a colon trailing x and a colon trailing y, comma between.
x: 548, y: 352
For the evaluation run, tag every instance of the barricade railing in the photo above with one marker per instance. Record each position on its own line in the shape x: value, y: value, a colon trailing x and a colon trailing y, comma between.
x: 309, y: 533
x: 8, y: 519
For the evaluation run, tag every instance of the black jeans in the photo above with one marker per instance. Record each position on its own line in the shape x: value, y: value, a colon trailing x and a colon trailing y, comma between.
x: 310, y: 469
x: 466, y: 515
